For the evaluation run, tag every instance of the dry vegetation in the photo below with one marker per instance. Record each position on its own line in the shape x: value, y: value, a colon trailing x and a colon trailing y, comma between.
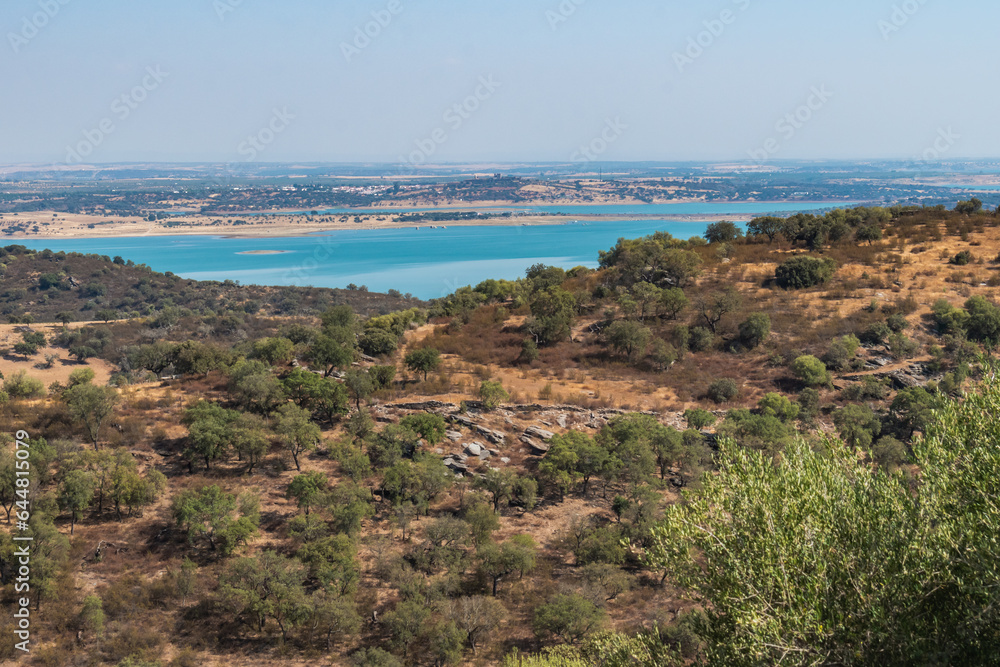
x: 578, y: 384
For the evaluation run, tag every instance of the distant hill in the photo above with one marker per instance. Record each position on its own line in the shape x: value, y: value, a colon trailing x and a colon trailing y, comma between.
x: 47, y: 286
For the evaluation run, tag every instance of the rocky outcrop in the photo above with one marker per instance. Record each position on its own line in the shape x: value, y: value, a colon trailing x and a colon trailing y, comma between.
x: 540, y: 433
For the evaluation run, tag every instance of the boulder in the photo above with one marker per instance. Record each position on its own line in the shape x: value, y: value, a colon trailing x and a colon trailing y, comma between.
x: 536, y: 432
x: 537, y: 448
x: 474, y: 449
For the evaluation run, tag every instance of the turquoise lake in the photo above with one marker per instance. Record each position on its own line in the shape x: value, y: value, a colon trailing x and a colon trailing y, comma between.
x: 428, y: 263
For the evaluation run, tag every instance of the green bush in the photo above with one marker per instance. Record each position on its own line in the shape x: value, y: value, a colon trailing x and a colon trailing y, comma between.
x: 21, y: 385
x: 723, y: 390
x: 803, y: 272
x: 811, y: 371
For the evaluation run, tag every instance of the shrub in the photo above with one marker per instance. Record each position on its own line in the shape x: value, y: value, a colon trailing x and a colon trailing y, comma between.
x: 803, y: 272
x: 699, y: 419
x: 842, y: 351
x: 492, y: 394
x: 21, y: 385
x: 755, y: 330
x: 701, y: 339
x: 963, y: 258
x: 723, y: 390
x: 811, y: 371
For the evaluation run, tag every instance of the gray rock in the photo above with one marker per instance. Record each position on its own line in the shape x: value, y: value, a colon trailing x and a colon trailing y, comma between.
x: 504, y: 460
x: 562, y: 420
x: 474, y: 449
x: 454, y: 436
x: 537, y: 448
x: 536, y: 432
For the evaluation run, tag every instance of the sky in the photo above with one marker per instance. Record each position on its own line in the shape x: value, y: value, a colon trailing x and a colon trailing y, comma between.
x: 440, y: 81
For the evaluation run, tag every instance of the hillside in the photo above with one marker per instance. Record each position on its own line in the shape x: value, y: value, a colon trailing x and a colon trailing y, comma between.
x: 38, y: 286
x: 399, y: 483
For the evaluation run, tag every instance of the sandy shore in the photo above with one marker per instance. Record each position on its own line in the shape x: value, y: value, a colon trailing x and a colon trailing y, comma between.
x: 49, y: 225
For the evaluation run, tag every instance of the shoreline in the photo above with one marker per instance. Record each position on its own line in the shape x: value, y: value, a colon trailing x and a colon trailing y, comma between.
x: 55, y: 226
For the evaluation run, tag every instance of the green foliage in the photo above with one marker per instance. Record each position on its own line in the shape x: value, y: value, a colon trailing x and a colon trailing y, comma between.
x: 360, y: 384
x: 673, y: 302
x: 21, y: 385
x: 518, y: 554
x: 803, y: 272
x: 811, y: 371
x: 983, y: 320
x: 492, y: 394
x: 91, y: 405
x: 569, y: 617
x: 776, y: 405
x: 263, y: 588
x: 254, y: 387
x: 761, y: 432
x: 768, y: 226
x: 272, y: 351
x: 964, y: 258
x: 326, y: 398
x: 699, y: 419
x: 297, y: 432
x: 553, y: 313
x: 391, y: 444
x: 776, y: 553
x: 308, y: 489
x: 723, y: 232
x: 378, y: 342
x: 723, y: 390
x: 382, y: 376
x: 430, y: 427
x: 76, y: 492
x: 333, y: 563
x: 210, y: 431
x: 214, y: 516
x: 755, y: 330
x: 628, y: 337
x: 857, y: 425
x: 700, y: 339
x: 424, y: 360
x: 842, y: 352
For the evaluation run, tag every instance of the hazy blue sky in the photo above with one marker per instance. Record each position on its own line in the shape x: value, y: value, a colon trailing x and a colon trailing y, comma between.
x: 230, y: 64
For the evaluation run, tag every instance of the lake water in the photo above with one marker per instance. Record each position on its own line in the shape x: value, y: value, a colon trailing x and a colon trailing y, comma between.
x: 425, y: 262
